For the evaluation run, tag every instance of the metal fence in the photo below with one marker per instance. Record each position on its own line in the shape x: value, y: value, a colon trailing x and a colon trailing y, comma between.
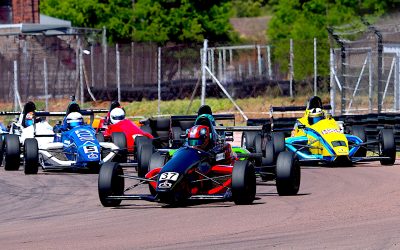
x: 38, y: 66
x: 365, y: 69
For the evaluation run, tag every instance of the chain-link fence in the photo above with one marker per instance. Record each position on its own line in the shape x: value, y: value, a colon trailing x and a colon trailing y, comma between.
x: 365, y: 68
x: 38, y: 66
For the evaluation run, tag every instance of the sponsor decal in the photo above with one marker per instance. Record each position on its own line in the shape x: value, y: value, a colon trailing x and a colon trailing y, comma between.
x: 220, y: 156
x: 84, y: 135
x: 165, y: 184
x: 93, y: 156
x: 171, y: 176
x: 330, y: 130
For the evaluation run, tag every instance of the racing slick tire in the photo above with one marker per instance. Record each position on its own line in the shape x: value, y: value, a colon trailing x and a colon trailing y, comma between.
x: 248, y: 140
x: 269, y: 154
x: 31, y: 156
x: 278, y: 139
x: 288, y: 174
x: 100, y: 137
x: 387, y: 146
x: 144, y: 156
x: 119, y: 139
x: 258, y: 149
x: 177, y: 141
x: 157, y: 160
x: 140, y: 140
x: 243, y: 183
x: 146, y: 128
x: 12, y: 152
x: 1, y: 149
x: 110, y: 183
x: 359, y: 131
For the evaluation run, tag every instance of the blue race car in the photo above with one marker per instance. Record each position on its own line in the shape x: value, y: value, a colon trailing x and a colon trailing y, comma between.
x: 75, y: 147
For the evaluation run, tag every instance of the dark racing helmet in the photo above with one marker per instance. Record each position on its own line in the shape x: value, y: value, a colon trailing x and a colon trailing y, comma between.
x: 199, y: 137
x: 315, y: 115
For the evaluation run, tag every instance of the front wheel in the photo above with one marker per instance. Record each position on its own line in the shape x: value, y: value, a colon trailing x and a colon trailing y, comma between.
x: 288, y: 174
x: 31, y: 156
x: 387, y: 146
x: 12, y: 152
x: 243, y: 183
x: 110, y: 183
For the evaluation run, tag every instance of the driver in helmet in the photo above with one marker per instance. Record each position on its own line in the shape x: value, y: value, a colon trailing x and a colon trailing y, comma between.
x: 29, y: 119
x: 74, y: 119
x: 117, y: 115
x: 315, y: 115
x: 199, y: 137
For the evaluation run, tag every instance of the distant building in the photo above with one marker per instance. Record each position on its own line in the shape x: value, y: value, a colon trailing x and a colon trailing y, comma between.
x: 19, y: 11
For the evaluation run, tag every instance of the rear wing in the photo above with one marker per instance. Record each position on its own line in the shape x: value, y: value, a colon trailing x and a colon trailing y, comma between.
x: 89, y: 112
x: 295, y: 108
x: 187, y: 121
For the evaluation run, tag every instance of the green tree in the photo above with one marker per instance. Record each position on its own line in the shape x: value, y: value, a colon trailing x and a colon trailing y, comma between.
x: 149, y: 20
x: 115, y: 15
x: 304, y: 20
x: 182, y: 21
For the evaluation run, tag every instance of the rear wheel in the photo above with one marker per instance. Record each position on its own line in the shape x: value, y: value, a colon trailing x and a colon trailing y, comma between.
x: 269, y: 154
x: 278, y: 139
x: 31, y: 156
x: 140, y: 140
x: 387, y: 146
x: 119, y: 139
x: 145, y: 152
x: 258, y: 148
x: 110, y: 183
x: 12, y: 152
x: 243, y: 183
x: 100, y: 137
x: 176, y: 133
x: 288, y: 174
x: 248, y: 140
x: 1, y: 149
x: 359, y: 131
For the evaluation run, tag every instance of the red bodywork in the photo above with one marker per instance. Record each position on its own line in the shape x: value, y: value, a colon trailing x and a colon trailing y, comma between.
x: 127, y: 127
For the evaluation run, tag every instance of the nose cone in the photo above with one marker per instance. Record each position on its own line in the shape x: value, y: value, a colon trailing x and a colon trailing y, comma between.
x: 342, y: 150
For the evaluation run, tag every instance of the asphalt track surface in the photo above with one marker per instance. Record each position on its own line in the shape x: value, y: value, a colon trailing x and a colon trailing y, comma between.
x: 337, y: 208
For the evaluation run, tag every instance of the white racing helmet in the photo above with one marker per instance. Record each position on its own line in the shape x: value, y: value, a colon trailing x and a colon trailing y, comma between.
x: 117, y: 115
x: 74, y: 119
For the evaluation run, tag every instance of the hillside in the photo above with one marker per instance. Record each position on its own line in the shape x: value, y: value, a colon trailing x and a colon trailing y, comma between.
x: 251, y: 28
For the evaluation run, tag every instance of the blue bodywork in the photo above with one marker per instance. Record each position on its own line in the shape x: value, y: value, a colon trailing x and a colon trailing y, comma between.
x: 293, y: 144
x: 80, y: 145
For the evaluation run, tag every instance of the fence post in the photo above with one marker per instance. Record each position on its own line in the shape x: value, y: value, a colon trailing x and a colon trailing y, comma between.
x: 46, y: 91
x: 332, y: 83
x: 81, y: 75
x: 104, y: 43
x: 159, y: 80
x: 92, y: 64
x: 203, y: 72
x: 291, y: 69
x: 315, y: 66
x: 397, y: 83
x: 269, y: 62
x: 370, y: 87
x: 259, y: 59
x: 133, y: 63
x: 118, y: 72
x: 17, y: 101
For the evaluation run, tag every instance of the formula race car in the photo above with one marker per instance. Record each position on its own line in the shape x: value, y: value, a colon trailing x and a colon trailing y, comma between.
x: 188, y: 174
x: 72, y: 145
x: 317, y: 138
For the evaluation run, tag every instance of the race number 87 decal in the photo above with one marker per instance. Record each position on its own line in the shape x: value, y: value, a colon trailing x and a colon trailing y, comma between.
x: 171, y: 176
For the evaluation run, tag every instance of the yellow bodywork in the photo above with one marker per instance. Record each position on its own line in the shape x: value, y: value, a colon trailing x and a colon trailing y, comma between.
x: 329, y: 130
